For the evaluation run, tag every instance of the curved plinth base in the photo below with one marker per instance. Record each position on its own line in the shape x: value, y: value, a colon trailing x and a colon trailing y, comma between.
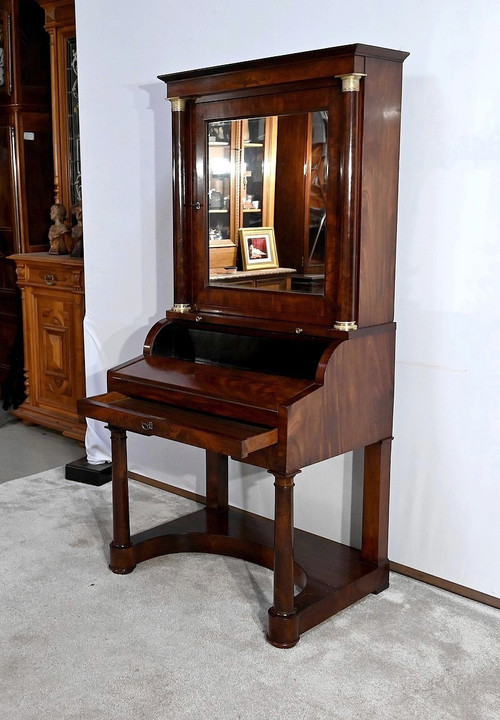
x: 332, y: 576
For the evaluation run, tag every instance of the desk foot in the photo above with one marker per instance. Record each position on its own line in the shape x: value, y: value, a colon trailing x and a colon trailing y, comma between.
x: 121, y: 558
x: 384, y: 584
x: 283, y: 630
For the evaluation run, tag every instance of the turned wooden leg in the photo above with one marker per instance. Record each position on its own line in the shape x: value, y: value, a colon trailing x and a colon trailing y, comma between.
x: 376, y: 504
x: 283, y: 628
x: 121, y: 550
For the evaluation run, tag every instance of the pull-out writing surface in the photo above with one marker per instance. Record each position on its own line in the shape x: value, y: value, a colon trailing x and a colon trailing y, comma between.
x: 210, y: 432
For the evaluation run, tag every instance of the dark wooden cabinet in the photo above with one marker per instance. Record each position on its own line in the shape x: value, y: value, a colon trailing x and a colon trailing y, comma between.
x: 26, y: 168
x: 51, y: 285
x: 278, y: 374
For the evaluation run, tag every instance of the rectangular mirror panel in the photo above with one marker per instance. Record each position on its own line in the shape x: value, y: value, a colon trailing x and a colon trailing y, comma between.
x: 266, y: 186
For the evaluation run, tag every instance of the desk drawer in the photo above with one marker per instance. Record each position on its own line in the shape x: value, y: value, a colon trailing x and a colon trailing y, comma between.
x: 229, y: 437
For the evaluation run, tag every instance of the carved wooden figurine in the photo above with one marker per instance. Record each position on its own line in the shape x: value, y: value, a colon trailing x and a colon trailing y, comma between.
x: 77, y: 232
x: 59, y: 235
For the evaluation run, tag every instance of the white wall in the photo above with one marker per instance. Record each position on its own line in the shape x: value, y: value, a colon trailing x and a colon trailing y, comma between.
x: 445, y: 490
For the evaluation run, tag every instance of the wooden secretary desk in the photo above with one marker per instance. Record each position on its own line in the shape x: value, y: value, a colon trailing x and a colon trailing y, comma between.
x: 284, y: 356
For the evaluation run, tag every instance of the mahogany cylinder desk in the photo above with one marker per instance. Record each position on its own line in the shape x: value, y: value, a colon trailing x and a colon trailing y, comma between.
x: 279, y: 348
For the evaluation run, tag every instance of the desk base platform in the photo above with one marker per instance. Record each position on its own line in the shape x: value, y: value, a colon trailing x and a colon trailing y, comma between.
x: 331, y: 576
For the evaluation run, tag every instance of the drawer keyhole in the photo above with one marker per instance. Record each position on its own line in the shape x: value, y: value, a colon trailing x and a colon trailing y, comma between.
x: 147, y: 425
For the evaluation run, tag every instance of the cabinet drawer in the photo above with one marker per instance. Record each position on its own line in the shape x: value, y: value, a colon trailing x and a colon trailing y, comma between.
x: 56, y: 277
x: 49, y: 271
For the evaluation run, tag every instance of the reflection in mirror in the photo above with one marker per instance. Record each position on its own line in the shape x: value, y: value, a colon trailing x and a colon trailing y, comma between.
x: 267, y: 181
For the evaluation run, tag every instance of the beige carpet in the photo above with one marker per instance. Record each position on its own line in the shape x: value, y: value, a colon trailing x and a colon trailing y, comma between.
x: 182, y: 637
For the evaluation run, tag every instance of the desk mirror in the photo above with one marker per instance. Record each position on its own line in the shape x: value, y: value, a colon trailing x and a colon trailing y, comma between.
x: 266, y: 201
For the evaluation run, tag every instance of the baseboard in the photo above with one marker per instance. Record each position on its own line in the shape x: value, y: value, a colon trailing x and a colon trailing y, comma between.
x: 466, y: 592
x: 168, y: 488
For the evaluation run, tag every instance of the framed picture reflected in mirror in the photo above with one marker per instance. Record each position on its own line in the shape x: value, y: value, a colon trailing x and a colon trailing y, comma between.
x: 258, y: 248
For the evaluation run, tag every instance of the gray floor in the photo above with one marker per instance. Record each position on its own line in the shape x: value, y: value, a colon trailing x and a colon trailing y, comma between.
x: 182, y: 637
x: 29, y: 449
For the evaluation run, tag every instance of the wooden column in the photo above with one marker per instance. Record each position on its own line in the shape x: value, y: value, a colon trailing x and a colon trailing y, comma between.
x: 283, y: 629
x: 182, y: 249
x: 122, y: 559
x: 347, y: 305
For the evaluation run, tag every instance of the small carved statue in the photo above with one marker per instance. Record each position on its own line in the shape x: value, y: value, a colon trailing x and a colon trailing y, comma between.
x: 59, y: 231
x: 77, y: 232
